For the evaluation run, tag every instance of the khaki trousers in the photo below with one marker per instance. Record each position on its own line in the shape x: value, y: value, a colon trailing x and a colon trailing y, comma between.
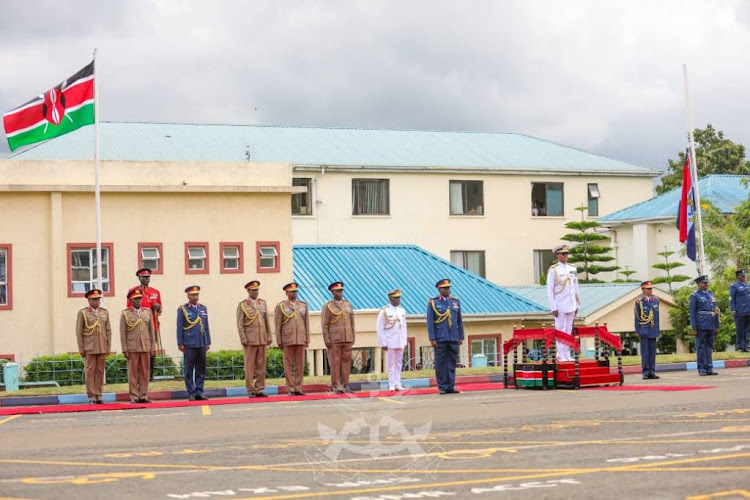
x: 94, y: 375
x: 294, y: 367
x: 340, y: 361
x: 139, y: 369
x: 255, y: 368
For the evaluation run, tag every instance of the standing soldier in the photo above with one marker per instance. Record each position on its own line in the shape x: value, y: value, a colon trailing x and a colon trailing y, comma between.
x: 704, y: 318
x: 137, y: 338
x: 255, y: 335
x: 739, y: 303
x: 647, y: 328
x: 94, y: 335
x: 446, y: 331
x: 562, y: 295
x: 293, y: 336
x: 194, y: 340
x: 337, y: 323
x: 392, y: 337
x: 152, y: 301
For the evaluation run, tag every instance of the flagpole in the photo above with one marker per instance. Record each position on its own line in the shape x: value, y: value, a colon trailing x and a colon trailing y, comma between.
x: 97, y: 191
x: 694, y: 176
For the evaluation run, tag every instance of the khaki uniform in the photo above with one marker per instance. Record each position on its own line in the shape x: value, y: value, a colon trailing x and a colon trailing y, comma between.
x: 94, y: 335
x: 337, y: 322
x: 293, y: 336
x: 255, y: 335
x: 138, y: 342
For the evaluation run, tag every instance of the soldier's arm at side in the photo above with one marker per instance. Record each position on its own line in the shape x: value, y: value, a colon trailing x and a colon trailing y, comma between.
x: 241, y: 324
x: 351, y: 318
x: 404, y: 332
x: 430, y: 321
x: 123, y: 334
x: 109, y: 332
x: 277, y: 324
x: 208, y: 330
x: 268, y: 326
x: 325, y: 318
x: 152, y: 334
x: 635, y: 318
x: 79, y: 331
x: 180, y: 342
x: 460, y: 323
x: 732, y: 299
x: 551, y: 289
x: 693, y: 312
x: 307, y: 325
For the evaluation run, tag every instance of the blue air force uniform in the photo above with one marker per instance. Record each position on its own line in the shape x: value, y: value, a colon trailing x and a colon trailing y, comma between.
x: 194, y: 335
x: 445, y: 326
x: 704, y: 319
x: 739, y: 304
x: 647, y: 327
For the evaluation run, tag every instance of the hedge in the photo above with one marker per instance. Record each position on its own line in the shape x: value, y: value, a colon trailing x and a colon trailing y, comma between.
x: 230, y: 364
x: 68, y: 369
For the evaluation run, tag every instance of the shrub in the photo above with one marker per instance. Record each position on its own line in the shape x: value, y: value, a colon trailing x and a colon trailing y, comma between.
x: 230, y: 364
x: 2, y: 362
x: 65, y: 369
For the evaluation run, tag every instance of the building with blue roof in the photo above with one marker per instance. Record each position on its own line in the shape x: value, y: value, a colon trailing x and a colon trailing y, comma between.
x: 492, y: 203
x: 642, y: 230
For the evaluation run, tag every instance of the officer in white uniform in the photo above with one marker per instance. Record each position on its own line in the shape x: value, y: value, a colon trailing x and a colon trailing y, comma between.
x: 562, y: 294
x: 392, y: 338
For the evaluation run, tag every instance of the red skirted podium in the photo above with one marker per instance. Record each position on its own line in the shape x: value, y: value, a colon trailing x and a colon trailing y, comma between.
x: 547, y: 373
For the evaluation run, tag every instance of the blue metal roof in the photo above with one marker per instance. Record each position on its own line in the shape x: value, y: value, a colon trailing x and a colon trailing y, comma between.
x: 593, y: 296
x: 324, y: 146
x: 370, y: 271
x: 724, y: 191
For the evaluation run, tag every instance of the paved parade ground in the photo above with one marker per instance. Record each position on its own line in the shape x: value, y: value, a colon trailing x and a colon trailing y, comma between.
x: 488, y: 444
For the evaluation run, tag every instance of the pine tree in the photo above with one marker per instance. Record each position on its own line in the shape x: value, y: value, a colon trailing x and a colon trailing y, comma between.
x: 587, y: 252
x: 667, y: 267
x: 627, y: 273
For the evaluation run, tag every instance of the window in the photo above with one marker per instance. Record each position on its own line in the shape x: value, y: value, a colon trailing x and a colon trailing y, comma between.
x: 302, y: 202
x: 467, y: 197
x: 150, y: 256
x: 6, y: 278
x: 489, y: 345
x: 82, y: 269
x: 593, y: 193
x: 426, y: 358
x: 196, y: 257
x: 370, y: 197
x: 232, y: 260
x: 546, y: 199
x: 268, y: 256
x: 543, y: 259
x: 472, y: 261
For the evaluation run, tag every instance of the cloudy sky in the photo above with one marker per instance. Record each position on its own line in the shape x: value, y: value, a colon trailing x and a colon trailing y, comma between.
x: 600, y: 75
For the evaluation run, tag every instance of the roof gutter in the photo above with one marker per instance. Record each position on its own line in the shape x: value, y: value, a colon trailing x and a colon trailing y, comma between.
x: 478, y: 170
x: 635, y: 221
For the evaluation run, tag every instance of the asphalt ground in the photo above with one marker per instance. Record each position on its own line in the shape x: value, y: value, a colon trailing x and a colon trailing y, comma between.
x: 492, y: 444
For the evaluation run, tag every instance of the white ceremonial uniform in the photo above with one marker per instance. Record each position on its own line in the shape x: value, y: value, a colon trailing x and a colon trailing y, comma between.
x: 562, y: 294
x: 391, y: 329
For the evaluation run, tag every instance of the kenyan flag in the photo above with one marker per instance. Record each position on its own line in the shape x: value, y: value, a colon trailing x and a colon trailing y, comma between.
x: 64, y: 108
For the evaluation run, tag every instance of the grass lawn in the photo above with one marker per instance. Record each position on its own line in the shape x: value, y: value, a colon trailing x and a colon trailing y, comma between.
x: 172, y: 385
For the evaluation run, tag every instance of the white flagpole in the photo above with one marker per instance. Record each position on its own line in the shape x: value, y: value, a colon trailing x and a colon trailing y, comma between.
x: 701, y: 264
x: 97, y: 193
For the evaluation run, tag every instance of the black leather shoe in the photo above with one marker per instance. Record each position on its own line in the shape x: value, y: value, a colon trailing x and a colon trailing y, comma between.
x: 251, y: 395
x: 261, y: 395
x: 201, y: 397
x: 99, y: 402
x: 646, y: 377
x: 145, y: 400
x: 702, y: 374
x: 348, y: 391
x: 191, y: 398
x: 453, y: 390
x: 655, y: 377
x: 134, y: 401
x: 300, y: 393
x: 712, y: 373
x: 338, y: 391
x: 443, y: 392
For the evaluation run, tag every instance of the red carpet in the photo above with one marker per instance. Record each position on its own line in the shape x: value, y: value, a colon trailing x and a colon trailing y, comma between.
x: 650, y: 388
x: 233, y: 401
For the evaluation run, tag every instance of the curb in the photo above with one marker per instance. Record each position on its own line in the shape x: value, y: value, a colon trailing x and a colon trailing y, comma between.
x: 414, y: 383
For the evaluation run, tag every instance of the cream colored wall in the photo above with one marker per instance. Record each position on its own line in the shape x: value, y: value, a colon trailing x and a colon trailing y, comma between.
x: 40, y: 224
x: 620, y: 318
x: 419, y: 214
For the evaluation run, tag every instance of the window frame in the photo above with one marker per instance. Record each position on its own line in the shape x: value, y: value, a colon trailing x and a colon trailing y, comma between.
x: 542, y: 268
x: 159, y: 247
x: 483, y: 274
x: 464, y: 188
x: 498, y: 347
x: 196, y: 244
x: 590, y: 197
x: 309, y: 195
x: 546, y: 199
x: 276, y: 246
x: 241, y: 257
x: 355, y: 190
x: 90, y: 246
x: 8, y: 248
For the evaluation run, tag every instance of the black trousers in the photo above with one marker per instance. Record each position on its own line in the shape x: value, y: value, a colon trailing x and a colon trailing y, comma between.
x: 446, y: 355
x: 195, y: 366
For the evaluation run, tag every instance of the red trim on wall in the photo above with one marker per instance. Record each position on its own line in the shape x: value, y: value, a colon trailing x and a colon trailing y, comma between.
x: 9, y: 305
x: 241, y: 268
x: 9, y: 357
x: 498, y: 345
x: 160, y: 246
x: 189, y: 244
x: 76, y: 246
x: 274, y: 244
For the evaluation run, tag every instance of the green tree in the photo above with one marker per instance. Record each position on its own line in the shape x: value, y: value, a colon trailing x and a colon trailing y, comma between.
x: 587, y: 252
x: 726, y: 239
x: 714, y: 154
x: 667, y: 267
x: 627, y: 273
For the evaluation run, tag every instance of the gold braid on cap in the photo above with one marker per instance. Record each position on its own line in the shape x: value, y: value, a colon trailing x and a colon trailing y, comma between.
x: 336, y: 314
x: 286, y: 317
x: 440, y: 317
x: 190, y: 324
x: 131, y: 326
x: 643, y: 318
x: 250, y: 317
x: 90, y: 329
